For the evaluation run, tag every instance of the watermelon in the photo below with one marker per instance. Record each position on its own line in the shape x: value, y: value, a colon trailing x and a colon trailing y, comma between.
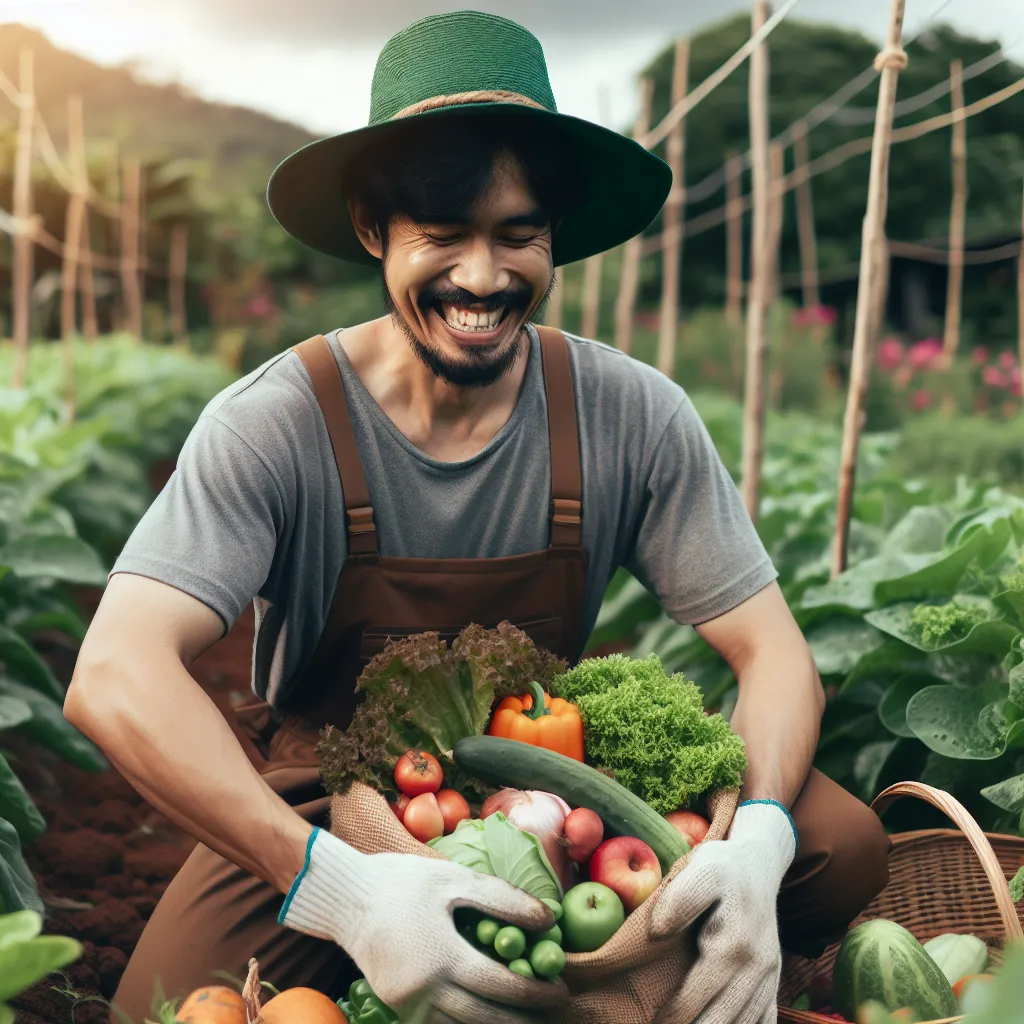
x: 881, y: 961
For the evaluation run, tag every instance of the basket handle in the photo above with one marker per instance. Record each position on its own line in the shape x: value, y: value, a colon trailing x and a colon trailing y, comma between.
x: 956, y: 811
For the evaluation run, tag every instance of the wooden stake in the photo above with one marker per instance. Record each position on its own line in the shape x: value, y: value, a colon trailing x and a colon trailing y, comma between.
x: 178, y: 260
x: 672, y: 219
x: 629, y: 280
x: 1020, y: 294
x: 805, y: 221
x: 890, y: 62
x: 733, y: 240
x: 777, y: 201
x: 72, y: 249
x: 90, y: 326
x: 957, y: 217
x: 130, y: 286
x: 757, y: 299
x: 880, y: 298
x: 22, y: 269
x: 591, y: 299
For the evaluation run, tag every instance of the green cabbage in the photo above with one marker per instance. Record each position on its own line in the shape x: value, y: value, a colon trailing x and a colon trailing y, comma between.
x: 494, y: 846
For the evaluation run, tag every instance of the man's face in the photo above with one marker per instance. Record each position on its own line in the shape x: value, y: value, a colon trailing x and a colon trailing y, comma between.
x: 463, y: 291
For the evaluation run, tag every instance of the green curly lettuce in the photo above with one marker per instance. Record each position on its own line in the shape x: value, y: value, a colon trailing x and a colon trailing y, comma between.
x: 650, y: 732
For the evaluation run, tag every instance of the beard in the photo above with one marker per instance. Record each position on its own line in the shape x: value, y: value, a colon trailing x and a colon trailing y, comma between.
x: 480, y: 366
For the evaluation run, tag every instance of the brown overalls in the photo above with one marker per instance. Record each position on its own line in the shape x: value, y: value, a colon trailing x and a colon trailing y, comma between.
x: 214, y: 916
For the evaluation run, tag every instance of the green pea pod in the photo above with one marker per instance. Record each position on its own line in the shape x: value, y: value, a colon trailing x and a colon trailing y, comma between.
x: 359, y: 991
x: 348, y: 1010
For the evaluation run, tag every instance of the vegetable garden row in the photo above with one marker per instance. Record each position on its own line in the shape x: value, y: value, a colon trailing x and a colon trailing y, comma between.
x: 920, y: 645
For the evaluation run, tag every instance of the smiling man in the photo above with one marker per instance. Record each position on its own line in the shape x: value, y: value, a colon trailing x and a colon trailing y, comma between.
x: 449, y: 463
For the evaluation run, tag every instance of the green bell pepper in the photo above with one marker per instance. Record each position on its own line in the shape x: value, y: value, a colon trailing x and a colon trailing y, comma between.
x: 365, y: 1007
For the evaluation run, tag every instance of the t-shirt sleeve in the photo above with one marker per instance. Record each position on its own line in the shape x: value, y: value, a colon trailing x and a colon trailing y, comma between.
x: 695, y: 547
x: 212, y: 531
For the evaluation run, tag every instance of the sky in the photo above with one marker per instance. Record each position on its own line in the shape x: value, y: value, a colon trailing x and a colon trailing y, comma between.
x: 311, y: 61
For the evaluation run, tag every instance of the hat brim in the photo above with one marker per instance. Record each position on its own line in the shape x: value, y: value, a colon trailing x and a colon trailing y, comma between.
x: 627, y: 185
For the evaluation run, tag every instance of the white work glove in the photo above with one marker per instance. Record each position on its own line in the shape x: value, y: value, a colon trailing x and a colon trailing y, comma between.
x: 735, y: 979
x: 392, y: 914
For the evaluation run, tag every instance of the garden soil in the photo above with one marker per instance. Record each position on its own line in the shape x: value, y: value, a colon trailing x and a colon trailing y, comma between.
x: 107, y: 855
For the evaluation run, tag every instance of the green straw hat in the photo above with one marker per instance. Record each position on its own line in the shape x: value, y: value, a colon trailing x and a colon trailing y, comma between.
x: 467, y: 65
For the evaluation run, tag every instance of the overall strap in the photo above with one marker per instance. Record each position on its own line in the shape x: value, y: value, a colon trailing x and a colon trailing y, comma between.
x: 563, y: 430
x: 318, y: 357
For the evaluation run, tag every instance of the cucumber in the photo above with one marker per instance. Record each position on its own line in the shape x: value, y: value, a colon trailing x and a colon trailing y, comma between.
x: 504, y: 762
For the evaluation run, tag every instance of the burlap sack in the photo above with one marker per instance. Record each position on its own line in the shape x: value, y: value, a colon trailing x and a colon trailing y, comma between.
x: 627, y: 980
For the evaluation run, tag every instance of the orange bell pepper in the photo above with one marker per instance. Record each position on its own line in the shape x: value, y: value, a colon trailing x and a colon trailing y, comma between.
x: 541, y: 720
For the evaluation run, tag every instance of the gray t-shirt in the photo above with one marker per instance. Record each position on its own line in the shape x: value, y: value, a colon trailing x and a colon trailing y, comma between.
x: 254, y: 510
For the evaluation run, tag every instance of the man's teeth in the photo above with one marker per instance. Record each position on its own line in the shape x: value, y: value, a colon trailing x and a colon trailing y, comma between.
x: 468, y: 320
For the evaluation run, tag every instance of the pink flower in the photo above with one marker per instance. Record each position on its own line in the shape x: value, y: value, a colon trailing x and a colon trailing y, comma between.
x: 994, y: 377
x: 921, y: 399
x: 979, y: 355
x: 812, y: 316
x: 890, y: 353
x: 924, y: 353
x: 1007, y: 360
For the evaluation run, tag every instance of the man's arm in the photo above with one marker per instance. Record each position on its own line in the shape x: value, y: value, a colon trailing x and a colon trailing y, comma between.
x: 133, y: 696
x: 781, y: 701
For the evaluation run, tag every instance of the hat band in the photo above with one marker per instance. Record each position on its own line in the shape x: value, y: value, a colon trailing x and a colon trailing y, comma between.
x: 459, y: 98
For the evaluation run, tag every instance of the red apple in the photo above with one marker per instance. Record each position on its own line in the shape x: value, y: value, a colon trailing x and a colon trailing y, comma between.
x: 583, y: 832
x: 692, y: 827
x: 629, y: 867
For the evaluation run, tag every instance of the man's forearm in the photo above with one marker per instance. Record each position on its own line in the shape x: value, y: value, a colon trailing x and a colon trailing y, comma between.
x: 167, y: 738
x: 778, y: 714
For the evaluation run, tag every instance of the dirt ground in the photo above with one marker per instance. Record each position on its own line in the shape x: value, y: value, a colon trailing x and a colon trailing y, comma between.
x: 107, y: 855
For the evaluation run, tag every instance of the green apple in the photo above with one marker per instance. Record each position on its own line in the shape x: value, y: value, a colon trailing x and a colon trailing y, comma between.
x: 591, y: 915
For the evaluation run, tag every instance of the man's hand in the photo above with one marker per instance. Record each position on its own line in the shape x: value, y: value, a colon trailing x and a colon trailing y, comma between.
x: 735, y: 979
x: 392, y: 913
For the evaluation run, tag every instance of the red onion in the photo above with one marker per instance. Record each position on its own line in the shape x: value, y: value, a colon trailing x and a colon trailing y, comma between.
x: 542, y: 814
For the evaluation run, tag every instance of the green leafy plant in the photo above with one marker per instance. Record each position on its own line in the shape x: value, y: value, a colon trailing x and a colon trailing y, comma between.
x: 26, y: 956
x: 66, y: 487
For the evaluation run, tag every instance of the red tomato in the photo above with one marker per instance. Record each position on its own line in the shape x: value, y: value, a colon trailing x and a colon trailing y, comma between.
x: 418, y: 772
x: 400, y: 805
x: 453, y: 808
x: 423, y: 818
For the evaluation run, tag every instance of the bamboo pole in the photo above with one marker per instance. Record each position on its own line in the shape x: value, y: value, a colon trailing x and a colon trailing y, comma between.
x: 629, y: 279
x: 880, y: 298
x: 777, y: 200
x: 672, y: 219
x: 556, y: 301
x: 73, y: 220
x: 757, y: 298
x: 178, y: 266
x: 889, y: 62
x: 805, y: 220
x: 90, y: 326
x: 957, y: 217
x: 130, y: 286
x: 22, y: 269
x: 733, y: 240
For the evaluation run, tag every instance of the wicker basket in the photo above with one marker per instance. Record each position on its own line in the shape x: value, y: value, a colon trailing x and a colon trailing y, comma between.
x: 940, y: 880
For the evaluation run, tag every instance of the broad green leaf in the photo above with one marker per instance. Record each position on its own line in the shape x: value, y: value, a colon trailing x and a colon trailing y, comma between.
x: 855, y: 588
x: 622, y: 614
x: 6, y: 1014
x: 869, y: 764
x: 17, y: 806
x: 947, y: 719
x: 23, y: 663
x: 1016, y: 680
x: 839, y: 643
x: 991, y: 637
x: 892, y: 658
x: 1011, y: 602
x: 942, y: 574
x: 49, y: 727
x: 19, y: 926
x: 67, y: 622
x: 893, y: 707
x: 17, y: 886
x: 1007, y: 795
x: 67, y: 559
x: 13, y: 711
x: 23, y: 965
x: 921, y: 530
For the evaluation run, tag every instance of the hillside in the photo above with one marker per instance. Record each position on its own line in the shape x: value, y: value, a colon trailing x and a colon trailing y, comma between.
x: 145, y: 118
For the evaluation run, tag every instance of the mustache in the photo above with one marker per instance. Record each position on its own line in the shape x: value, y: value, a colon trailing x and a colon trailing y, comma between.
x: 508, y: 298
